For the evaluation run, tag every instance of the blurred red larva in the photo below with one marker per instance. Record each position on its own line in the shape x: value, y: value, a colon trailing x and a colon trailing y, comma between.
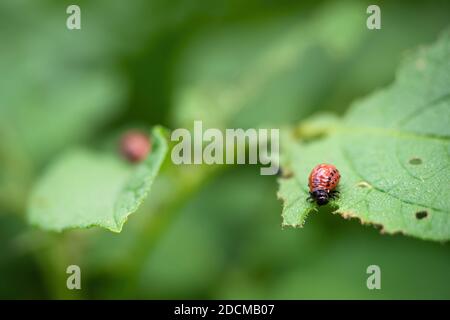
x: 135, y: 146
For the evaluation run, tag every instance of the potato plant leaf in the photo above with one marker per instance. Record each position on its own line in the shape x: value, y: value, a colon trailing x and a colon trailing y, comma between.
x: 392, y: 150
x: 84, y: 189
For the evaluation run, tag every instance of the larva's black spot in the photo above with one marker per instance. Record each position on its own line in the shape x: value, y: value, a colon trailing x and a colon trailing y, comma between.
x: 421, y: 215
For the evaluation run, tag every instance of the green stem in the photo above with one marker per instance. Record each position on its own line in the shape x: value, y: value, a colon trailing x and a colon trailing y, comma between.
x: 150, y: 235
x: 53, y: 260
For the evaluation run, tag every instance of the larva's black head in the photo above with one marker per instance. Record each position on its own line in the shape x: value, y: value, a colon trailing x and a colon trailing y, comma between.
x: 320, y: 196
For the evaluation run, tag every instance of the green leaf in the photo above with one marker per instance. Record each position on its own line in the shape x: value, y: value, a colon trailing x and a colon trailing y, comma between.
x: 392, y: 150
x: 84, y: 189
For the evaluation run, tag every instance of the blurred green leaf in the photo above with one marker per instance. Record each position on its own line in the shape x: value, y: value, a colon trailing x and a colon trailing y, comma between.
x: 276, y: 70
x: 392, y: 150
x: 339, y: 270
x: 55, y: 90
x: 19, y: 272
x: 257, y: 73
x: 84, y: 189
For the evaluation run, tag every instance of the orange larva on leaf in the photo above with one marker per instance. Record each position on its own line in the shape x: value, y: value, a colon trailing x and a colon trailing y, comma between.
x: 323, y: 181
x: 135, y: 146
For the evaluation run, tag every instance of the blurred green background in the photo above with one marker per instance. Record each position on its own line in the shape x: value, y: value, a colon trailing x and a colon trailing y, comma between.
x: 204, y: 232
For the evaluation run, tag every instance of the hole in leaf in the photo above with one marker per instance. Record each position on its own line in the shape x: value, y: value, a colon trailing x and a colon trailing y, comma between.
x: 415, y: 161
x: 421, y: 215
